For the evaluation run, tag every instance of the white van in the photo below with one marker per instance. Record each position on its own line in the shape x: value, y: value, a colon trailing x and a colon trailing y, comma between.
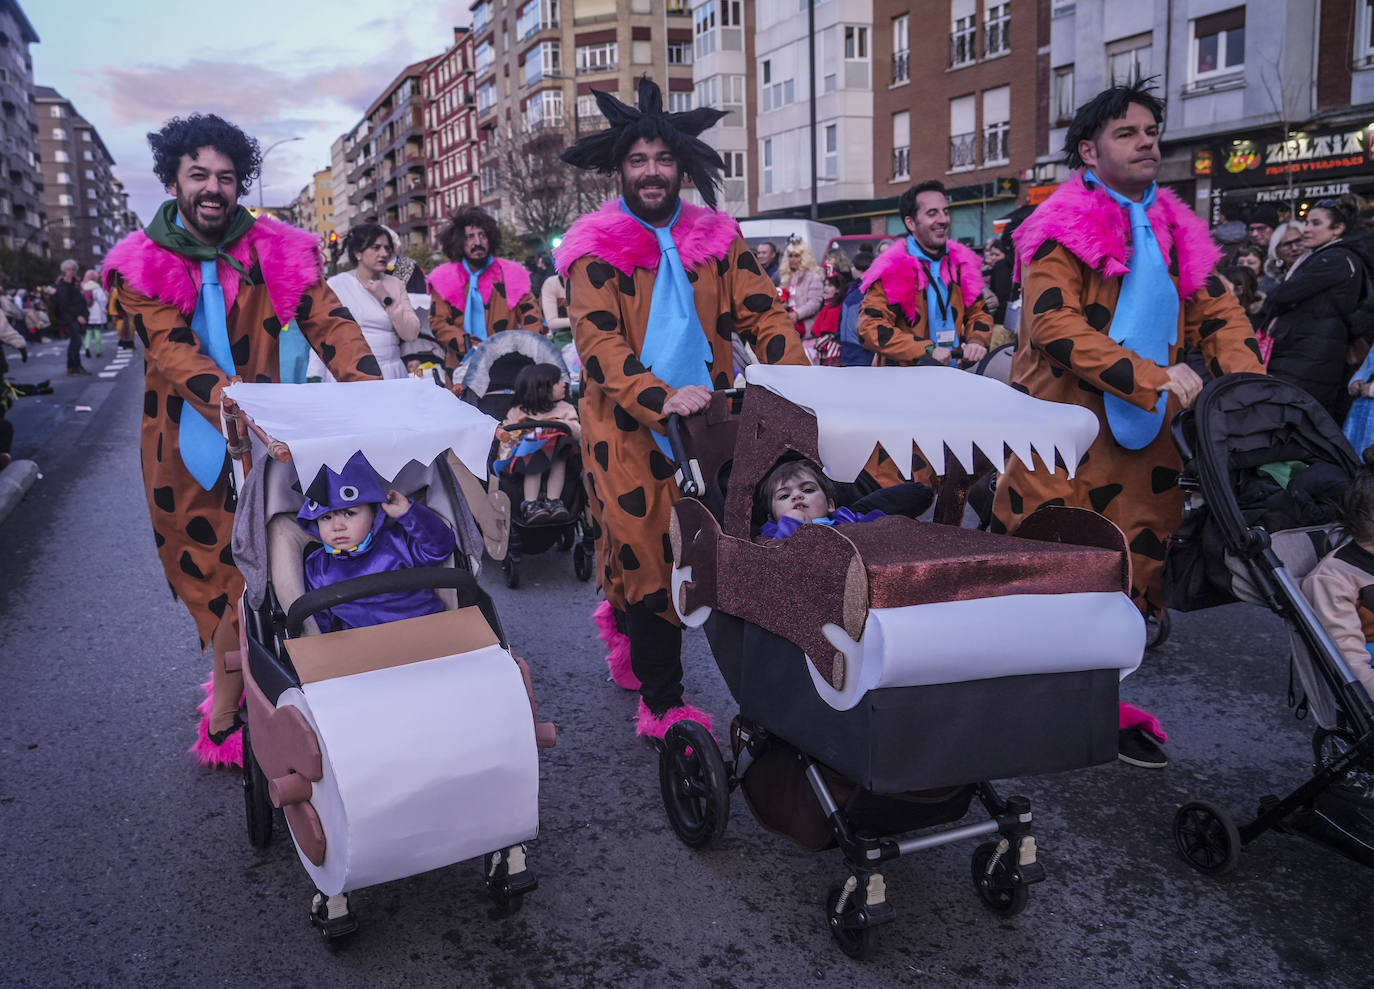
x: 779, y: 232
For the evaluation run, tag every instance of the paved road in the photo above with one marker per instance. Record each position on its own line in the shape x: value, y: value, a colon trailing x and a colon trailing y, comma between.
x: 125, y: 865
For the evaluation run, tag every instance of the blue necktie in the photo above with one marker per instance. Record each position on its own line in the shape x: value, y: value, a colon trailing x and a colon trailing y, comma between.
x: 939, y: 318
x: 1145, y: 321
x: 675, y: 345
x: 293, y: 355
x: 475, y: 310
x: 201, y: 444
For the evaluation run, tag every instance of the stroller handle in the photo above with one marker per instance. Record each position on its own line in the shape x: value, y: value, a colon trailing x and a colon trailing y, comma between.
x: 1181, y: 430
x: 413, y: 579
x: 689, y: 477
x: 554, y: 424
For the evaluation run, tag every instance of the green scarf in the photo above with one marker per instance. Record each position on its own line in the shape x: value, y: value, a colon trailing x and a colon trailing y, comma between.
x: 163, y: 231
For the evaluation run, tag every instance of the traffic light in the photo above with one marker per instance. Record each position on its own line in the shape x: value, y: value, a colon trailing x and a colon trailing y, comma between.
x: 335, y: 248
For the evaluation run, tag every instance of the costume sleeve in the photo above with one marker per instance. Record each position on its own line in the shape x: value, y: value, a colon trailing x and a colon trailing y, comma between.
x: 9, y: 335
x: 880, y: 334
x: 428, y: 537
x: 171, y: 346
x: 1059, y: 330
x: 977, y: 324
x: 1333, y: 598
x: 526, y: 315
x: 401, y: 312
x: 566, y: 413
x: 548, y: 297
x: 760, y: 319
x: 1215, y: 321
x: 329, y: 327
x: 446, y: 320
x: 608, y: 360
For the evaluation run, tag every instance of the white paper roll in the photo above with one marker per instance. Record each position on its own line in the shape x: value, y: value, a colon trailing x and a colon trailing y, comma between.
x: 424, y: 765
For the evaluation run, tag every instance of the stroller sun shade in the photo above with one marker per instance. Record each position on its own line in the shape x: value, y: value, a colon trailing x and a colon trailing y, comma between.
x: 476, y: 370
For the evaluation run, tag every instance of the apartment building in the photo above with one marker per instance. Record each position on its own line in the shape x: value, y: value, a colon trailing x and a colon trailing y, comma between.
x: 957, y: 84
x: 722, y: 59
x: 314, y: 205
x: 450, y: 131
x: 813, y: 82
x: 342, y: 160
x: 85, y: 208
x: 23, y: 215
x: 387, y: 164
x: 536, y: 63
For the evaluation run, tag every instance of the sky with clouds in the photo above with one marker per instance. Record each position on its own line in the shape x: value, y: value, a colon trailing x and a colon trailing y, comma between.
x: 277, y: 68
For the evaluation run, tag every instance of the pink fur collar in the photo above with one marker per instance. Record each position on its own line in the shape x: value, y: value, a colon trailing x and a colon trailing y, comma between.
x: 618, y: 238
x: 1094, y: 229
x: 904, y: 281
x: 289, y: 259
x: 450, y: 282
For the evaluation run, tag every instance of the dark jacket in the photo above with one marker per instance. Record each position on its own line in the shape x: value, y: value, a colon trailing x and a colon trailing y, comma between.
x: 1316, y: 318
x: 69, y: 305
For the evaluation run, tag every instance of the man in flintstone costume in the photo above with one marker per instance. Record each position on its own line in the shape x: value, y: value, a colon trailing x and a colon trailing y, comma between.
x: 658, y: 289
x: 1118, y: 278
x: 211, y: 292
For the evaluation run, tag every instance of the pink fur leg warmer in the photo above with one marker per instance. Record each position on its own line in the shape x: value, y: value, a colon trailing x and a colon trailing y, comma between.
x: 651, y: 725
x: 617, y: 646
x: 206, y: 752
x: 1130, y: 716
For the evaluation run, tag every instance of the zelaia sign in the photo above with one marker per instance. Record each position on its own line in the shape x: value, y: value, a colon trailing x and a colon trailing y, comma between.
x: 1303, y: 156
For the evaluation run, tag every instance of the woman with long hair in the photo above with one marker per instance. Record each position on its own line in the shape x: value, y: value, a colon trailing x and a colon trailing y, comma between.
x: 800, y: 284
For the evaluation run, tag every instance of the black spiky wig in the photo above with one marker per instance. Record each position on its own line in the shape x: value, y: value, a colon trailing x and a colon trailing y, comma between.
x: 605, y: 150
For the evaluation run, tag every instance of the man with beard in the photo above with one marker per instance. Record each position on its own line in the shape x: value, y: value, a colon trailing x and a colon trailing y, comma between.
x: 1118, y: 278
x: 658, y: 289
x: 477, y: 294
x: 209, y: 290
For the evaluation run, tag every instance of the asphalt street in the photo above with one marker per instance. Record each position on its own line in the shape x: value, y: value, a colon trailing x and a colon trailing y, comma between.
x: 124, y: 864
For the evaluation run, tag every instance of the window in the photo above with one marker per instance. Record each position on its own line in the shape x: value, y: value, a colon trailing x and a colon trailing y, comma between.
x: 679, y: 102
x: 544, y: 110
x: 1364, y: 33
x: 641, y: 52
x: 963, y: 32
x: 767, y: 165
x: 1219, y: 43
x: 63, y: 178
x: 1061, y: 95
x: 776, y: 94
x: 60, y: 155
x: 604, y: 57
x: 90, y: 193
x: 996, y: 125
x: 1129, y: 59
x: 901, y: 145
x: 64, y: 199
x: 486, y: 96
x: 997, y: 28
x: 91, y: 211
x: 535, y: 15
x: 55, y: 110
x: 962, y: 133
x: 586, y: 106
x: 59, y: 134
x: 90, y: 174
x: 734, y: 164
x: 830, y: 164
x: 901, y: 55
x: 483, y: 57
x: 704, y: 27
x: 679, y: 53
x: 481, y: 16
x: 856, y: 42
x: 86, y: 136
x: 542, y: 60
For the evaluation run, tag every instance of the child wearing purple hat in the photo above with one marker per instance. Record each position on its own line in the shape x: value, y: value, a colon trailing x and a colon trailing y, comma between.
x: 342, y: 509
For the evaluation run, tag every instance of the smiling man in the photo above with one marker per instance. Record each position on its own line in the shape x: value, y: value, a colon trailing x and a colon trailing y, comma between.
x: 1118, y: 279
x: 209, y: 290
x: 658, y: 290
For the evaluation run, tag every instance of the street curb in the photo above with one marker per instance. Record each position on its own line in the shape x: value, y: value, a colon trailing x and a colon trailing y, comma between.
x: 15, y: 481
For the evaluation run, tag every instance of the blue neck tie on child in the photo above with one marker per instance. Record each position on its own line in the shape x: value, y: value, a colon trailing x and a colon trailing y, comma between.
x: 1145, y: 321
x: 675, y: 345
x: 474, y: 309
x: 201, y: 444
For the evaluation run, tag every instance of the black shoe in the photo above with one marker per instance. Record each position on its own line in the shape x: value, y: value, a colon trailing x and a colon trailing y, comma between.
x: 219, y: 737
x: 534, y: 512
x: 77, y: 371
x: 1137, y: 748
x: 558, y: 512
x: 88, y: 352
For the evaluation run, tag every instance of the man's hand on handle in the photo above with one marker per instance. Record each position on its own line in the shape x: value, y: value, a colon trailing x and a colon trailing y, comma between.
x: 1183, y: 382
x: 687, y: 400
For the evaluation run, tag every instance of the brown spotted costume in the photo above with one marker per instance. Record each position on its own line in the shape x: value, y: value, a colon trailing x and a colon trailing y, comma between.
x: 158, y: 289
x: 500, y: 282
x: 1072, y: 253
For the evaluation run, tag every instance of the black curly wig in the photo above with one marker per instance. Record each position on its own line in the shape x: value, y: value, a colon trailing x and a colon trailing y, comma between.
x: 187, y: 135
x: 452, y: 236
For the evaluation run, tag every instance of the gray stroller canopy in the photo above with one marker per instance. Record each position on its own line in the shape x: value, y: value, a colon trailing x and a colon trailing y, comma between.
x: 476, y: 370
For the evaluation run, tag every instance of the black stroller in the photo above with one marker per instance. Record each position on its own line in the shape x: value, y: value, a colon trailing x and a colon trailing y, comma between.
x: 1244, y: 538
x: 488, y: 379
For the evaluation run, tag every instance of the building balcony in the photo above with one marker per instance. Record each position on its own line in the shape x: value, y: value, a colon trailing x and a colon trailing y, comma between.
x: 591, y: 70
x: 901, y: 67
x: 963, y: 151
x: 901, y: 163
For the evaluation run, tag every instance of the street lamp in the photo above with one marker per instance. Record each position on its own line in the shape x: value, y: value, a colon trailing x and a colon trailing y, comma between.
x: 263, y: 158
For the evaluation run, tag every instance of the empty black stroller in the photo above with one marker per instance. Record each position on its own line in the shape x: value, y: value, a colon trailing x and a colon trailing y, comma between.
x: 1245, y: 537
x: 488, y: 379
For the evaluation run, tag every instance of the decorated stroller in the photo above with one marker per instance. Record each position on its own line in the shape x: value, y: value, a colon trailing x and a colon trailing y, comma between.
x: 488, y: 380
x: 1245, y: 538
x: 886, y: 670
x: 396, y: 748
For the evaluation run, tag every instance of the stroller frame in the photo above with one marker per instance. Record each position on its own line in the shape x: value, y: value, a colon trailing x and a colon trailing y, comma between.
x: 1204, y: 834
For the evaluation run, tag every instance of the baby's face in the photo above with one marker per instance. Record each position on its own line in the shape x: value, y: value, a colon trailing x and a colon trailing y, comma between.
x: 345, y: 528
x: 801, y: 497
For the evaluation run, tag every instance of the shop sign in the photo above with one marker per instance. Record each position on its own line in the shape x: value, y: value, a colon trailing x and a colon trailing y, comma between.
x: 1304, y: 193
x: 1303, y: 156
x: 1037, y: 194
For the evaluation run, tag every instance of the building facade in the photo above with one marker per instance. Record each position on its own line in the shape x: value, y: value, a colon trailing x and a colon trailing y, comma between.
x: 722, y: 59
x: 450, y: 131
x: 23, y: 213
x: 341, y: 163
x: 386, y: 164
x: 86, y: 208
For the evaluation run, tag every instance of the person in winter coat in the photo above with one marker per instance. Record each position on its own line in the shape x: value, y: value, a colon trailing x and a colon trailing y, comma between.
x: 801, y: 284
x: 69, y: 312
x: 1315, y: 308
x: 97, y: 313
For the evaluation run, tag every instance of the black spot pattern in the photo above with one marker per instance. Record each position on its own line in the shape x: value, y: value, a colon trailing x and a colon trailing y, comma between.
x: 189, y: 568
x: 200, y: 529
x: 1163, y: 479
x: 150, y: 404
x: 500, y: 326
x: 164, y: 499
x: 634, y: 503
x: 625, y: 284
x: 885, y: 334
x: 1214, y: 366
x: 599, y: 273
x: 633, y: 365
x: 692, y: 275
x: 758, y: 303
x: 1044, y: 250
x: 1099, y: 317
x: 182, y: 334
x: 918, y: 462
x: 1210, y: 326
x: 1091, y: 389
x: 872, y: 313
x: 628, y: 560
x: 1060, y: 350
x: 995, y: 526
x: 174, y: 404
x: 601, y: 453
x: 1102, y: 497
x: 626, y: 422
x: 1020, y: 387
x: 367, y: 364
x: 231, y: 500
x: 603, y: 320
x: 1120, y: 376
x: 342, y: 312
x: 272, y: 326
x: 721, y: 381
x: 140, y: 329
x: 327, y: 352
x: 657, y: 602
x: 747, y: 262
x: 303, y: 308
x: 201, y: 385
x: 660, y: 466
x: 1253, y: 345
x: 226, y: 556
x: 1214, y: 287
x: 1148, y: 544
x: 159, y: 539
x: 652, y: 398
x: 218, y: 604
x: 667, y: 549
x: 158, y: 453
x: 776, y: 350
x: 722, y: 266
x: 725, y: 325
x: 240, y: 350
x: 592, y: 366
x: 1050, y: 300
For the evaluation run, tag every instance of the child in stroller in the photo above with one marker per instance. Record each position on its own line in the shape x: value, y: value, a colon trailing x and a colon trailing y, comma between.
x: 533, y: 446
x: 797, y: 493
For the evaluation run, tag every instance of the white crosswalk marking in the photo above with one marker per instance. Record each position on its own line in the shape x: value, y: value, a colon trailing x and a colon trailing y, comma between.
x: 109, y: 374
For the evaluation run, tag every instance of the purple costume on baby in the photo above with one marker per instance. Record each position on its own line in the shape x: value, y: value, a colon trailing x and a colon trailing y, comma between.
x: 419, y: 538
x: 788, y: 526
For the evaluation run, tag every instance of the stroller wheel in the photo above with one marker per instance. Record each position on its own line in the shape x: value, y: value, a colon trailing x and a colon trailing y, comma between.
x: 856, y: 937
x: 584, y: 560
x: 692, y: 778
x: 1207, y: 838
x: 1328, y: 745
x: 257, y: 804
x: 512, y: 571
x: 992, y: 878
